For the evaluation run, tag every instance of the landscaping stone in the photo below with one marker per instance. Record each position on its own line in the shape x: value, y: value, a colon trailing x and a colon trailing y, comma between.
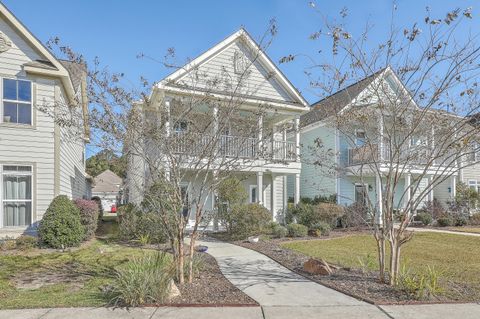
x: 174, y: 291
x: 317, y: 267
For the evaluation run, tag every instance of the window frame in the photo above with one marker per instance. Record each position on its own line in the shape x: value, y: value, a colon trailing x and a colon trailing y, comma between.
x: 364, y: 139
x: 3, y: 100
x: 31, y: 200
x: 253, y: 187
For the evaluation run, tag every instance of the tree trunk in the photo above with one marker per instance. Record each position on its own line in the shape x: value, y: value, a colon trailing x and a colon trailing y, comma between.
x: 381, y: 257
x: 181, y: 257
x: 394, y: 261
x: 193, y: 238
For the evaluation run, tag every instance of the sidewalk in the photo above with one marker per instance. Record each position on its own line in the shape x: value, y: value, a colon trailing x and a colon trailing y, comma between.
x: 442, y: 231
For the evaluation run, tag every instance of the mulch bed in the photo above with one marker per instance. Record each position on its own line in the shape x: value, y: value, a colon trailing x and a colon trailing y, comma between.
x: 211, y: 288
x: 353, y: 282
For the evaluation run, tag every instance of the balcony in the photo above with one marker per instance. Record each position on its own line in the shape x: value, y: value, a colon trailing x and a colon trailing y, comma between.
x: 196, y: 144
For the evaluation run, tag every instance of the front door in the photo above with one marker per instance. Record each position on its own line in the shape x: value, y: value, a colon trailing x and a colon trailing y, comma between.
x: 361, y: 194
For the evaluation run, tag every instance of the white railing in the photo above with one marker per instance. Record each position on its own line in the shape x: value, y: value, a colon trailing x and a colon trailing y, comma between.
x: 282, y: 150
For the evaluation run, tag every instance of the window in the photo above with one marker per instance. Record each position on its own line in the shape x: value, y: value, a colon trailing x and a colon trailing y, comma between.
x: 17, y: 195
x: 475, y: 185
x: 360, y: 137
x: 253, y: 194
x: 180, y: 126
x: 361, y: 194
x: 17, y: 101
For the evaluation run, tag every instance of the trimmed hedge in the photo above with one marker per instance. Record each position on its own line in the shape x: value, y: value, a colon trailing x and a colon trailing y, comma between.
x: 249, y: 220
x: 88, y: 216
x: 61, y: 226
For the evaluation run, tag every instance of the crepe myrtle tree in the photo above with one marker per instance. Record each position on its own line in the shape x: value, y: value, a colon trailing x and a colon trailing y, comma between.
x: 178, y: 148
x: 417, y: 132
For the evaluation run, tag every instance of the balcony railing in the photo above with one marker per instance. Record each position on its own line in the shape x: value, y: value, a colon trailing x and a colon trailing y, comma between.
x: 232, y: 146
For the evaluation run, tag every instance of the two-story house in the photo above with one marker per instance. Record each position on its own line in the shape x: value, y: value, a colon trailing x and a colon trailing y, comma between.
x: 40, y: 155
x: 266, y: 100
x: 338, y: 157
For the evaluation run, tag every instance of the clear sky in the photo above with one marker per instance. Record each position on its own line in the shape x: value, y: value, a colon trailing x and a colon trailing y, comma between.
x: 118, y: 30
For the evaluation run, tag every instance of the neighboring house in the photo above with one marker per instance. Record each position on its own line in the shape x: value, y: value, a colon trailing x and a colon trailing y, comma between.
x: 346, y: 151
x: 264, y: 181
x: 107, y: 188
x: 40, y: 156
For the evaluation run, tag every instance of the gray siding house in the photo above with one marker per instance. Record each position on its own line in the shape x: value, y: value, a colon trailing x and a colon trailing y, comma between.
x: 40, y: 156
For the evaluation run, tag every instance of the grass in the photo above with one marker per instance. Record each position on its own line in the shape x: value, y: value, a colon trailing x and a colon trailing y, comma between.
x: 457, y: 257
x: 78, y: 276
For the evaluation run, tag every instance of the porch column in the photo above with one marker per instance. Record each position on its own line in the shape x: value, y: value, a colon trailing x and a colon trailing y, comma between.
x: 381, y: 145
x: 408, y: 179
x: 430, y: 192
x: 297, y: 138
x: 285, y: 196
x: 453, y: 186
x: 260, y: 134
x: 296, y: 196
x: 379, y: 190
x: 273, y: 200
x: 260, y: 188
x: 167, y: 118
x: 215, y: 120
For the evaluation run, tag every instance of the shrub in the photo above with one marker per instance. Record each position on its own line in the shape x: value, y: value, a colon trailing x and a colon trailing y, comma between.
x: 308, y: 214
x: 297, y: 230
x: 475, y: 219
x: 61, y: 226
x: 422, y: 285
x: 7, y: 244
x: 248, y: 220
x: 425, y: 218
x: 320, y: 229
x: 88, y: 216
x: 26, y: 242
x: 231, y: 193
x: 355, y: 215
x: 445, y: 221
x: 279, y: 231
x: 461, y: 221
x: 435, y: 208
x: 137, y: 225
x: 143, y: 280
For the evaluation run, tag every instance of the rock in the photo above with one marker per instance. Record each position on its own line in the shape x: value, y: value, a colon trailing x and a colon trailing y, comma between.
x: 317, y: 267
x: 173, y: 290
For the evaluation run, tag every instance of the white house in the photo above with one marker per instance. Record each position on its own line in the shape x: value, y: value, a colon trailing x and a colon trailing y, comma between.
x: 107, y: 188
x: 264, y: 178
x: 351, y: 157
x: 39, y: 156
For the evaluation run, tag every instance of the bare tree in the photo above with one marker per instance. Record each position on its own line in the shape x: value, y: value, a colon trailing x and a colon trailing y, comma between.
x: 406, y: 121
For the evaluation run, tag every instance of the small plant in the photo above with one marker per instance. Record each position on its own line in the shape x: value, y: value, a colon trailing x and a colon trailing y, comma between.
x: 61, y: 226
x: 421, y: 286
x: 461, y: 221
x: 297, y: 230
x: 366, y: 263
x: 198, y: 264
x: 144, y: 239
x: 320, y: 229
x: 26, y: 242
x: 424, y: 217
x: 279, y: 231
x: 7, y: 243
x: 445, y: 221
x: 88, y: 216
x: 143, y: 280
x: 475, y: 219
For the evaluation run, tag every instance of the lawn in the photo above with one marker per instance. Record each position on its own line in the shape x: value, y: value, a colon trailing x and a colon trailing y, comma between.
x: 40, y: 278
x: 466, y: 229
x: 457, y: 257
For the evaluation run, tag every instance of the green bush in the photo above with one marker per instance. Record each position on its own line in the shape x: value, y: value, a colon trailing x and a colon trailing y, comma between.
x: 355, y: 215
x: 320, y: 229
x: 422, y: 285
x: 308, y: 214
x: 26, y: 242
x: 248, y: 220
x: 61, y: 226
x: 297, y: 230
x: 137, y: 225
x: 279, y: 231
x: 88, y: 216
x: 143, y: 280
x: 445, y: 221
x: 231, y: 193
x: 424, y: 217
x: 461, y: 221
x: 475, y: 219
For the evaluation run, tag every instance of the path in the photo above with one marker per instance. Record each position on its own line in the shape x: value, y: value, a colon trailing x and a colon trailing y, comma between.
x: 442, y: 231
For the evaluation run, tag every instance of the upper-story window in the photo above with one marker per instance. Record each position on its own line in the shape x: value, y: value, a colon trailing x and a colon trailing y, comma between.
x: 180, y: 126
x: 360, y: 137
x: 17, y: 101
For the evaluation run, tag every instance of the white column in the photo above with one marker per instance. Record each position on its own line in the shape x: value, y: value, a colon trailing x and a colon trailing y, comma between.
x: 379, y: 191
x: 167, y: 117
x: 430, y: 185
x: 260, y: 134
x: 408, y: 179
x: 285, y: 195
x: 296, y: 196
x: 453, y: 186
x: 273, y: 199
x: 260, y: 188
x: 297, y: 138
x: 215, y: 120
x: 380, y: 137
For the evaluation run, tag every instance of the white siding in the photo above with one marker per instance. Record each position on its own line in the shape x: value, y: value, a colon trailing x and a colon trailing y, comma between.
x: 442, y: 193
x: 258, y: 83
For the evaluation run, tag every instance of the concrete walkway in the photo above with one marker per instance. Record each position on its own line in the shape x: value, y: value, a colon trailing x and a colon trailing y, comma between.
x: 442, y: 231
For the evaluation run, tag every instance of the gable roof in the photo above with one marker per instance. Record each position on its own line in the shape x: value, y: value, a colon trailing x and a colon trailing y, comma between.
x: 334, y: 103
x: 265, y: 61
x: 107, y: 182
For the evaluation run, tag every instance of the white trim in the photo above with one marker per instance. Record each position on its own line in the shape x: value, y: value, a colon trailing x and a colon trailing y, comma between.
x: 17, y: 79
x: 30, y: 173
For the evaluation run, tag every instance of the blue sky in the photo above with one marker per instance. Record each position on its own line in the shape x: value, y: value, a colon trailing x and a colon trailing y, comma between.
x: 118, y: 30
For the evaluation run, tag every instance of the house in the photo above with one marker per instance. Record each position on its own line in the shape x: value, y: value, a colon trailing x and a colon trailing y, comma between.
x: 107, y: 188
x: 335, y: 169
x: 40, y: 156
x: 266, y: 157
